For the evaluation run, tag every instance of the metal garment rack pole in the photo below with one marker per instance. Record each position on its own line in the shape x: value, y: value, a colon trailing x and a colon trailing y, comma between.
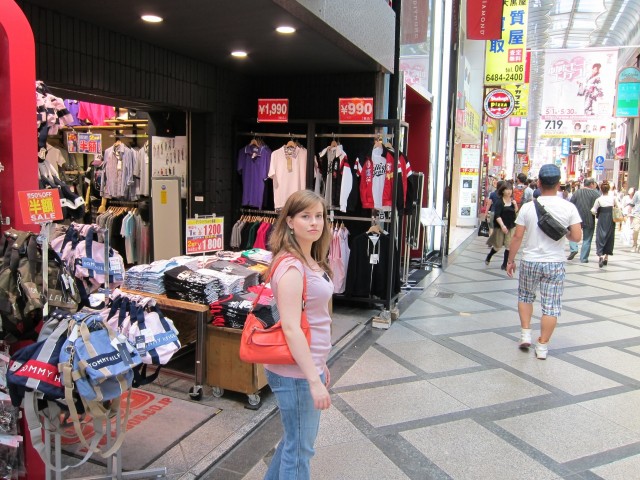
x: 273, y: 135
x: 354, y: 135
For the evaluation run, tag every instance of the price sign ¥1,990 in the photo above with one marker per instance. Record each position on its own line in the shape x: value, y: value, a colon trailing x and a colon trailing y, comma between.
x: 355, y: 110
x: 275, y: 110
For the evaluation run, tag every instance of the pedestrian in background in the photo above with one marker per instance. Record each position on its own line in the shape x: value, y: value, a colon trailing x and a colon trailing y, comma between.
x: 542, y: 260
x: 635, y: 220
x: 493, y: 197
x: 583, y: 199
x: 605, y: 230
x: 300, y: 244
x: 505, y: 210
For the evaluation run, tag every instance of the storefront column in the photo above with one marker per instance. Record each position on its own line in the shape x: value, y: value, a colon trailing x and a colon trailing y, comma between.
x: 18, y: 142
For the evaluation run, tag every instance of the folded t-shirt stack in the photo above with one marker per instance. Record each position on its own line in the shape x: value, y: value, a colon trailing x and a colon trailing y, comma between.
x: 259, y: 255
x: 232, y: 311
x: 181, y: 283
x: 250, y: 277
x: 229, y: 284
x: 148, y: 278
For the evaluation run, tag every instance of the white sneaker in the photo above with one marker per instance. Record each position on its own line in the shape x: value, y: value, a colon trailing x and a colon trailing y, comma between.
x: 525, y: 338
x: 541, y: 351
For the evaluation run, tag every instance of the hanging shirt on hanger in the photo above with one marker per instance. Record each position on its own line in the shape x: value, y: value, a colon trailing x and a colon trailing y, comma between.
x: 119, y: 163
x: 142, y: 170
x: 253, y: 164
x: 95, y: 113
x: 288, y: 170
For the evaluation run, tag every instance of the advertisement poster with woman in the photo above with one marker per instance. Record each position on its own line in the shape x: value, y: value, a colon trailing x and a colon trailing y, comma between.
x: 579, y: 84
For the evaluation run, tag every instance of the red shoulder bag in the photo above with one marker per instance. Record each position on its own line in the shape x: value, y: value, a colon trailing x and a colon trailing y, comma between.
x: 269, y: 345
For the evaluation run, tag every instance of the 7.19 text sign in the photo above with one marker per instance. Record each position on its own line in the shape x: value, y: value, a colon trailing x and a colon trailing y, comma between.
x: 275, y: 110
x: 355, y: 110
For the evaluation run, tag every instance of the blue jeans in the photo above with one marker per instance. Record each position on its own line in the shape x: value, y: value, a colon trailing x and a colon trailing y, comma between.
x: 300, y: 421
x: 587, y: 236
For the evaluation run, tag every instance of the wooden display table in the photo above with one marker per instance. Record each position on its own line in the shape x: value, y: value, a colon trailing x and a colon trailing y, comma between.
x: 225, y: 370
x: 186, y: 335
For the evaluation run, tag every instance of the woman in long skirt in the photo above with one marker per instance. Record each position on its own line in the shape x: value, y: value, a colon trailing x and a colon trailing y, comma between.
x: 605, y: 229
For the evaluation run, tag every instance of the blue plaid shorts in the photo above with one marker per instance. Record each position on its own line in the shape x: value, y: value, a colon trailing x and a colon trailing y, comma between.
x: 550, y: 277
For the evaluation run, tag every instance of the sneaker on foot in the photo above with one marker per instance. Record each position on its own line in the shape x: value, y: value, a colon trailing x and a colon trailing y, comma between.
x: 541, y: 351
x: 525, y: 338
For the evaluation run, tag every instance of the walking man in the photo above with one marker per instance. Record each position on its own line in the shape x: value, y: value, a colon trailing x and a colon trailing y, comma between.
x: 635, y: 223
x: 542, y: 260
x: 583, y: 199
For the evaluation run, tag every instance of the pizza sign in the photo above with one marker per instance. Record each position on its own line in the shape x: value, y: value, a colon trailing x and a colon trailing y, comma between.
x: 499, y: 103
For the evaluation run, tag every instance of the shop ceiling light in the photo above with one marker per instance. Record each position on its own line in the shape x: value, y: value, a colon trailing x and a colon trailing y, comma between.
x: 152, y: 18
x: 285, y: 29
x: 239, y: 54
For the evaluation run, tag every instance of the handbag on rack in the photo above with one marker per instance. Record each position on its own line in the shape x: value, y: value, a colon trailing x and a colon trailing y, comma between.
x: 260, y: 344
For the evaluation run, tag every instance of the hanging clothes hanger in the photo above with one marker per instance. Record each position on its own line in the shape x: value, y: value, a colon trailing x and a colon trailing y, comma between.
x: 334, y: 142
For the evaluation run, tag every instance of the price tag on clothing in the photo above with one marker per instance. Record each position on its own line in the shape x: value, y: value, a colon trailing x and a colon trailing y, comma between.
x: 274, y: 110
x: 374, y: 258
x: 355, y: 110
x: 141, y: 345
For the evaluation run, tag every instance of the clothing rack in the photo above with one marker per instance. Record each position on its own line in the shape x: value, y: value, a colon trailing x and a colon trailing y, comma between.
x: 360, y: 219
x: 121, y: 203
x: 394, y: 127
x: 274, y: 135
x: 248, y: 211
x: 354, y: 135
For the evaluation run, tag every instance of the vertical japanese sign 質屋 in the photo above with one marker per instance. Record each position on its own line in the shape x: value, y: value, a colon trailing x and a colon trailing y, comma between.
x: 506, y: 58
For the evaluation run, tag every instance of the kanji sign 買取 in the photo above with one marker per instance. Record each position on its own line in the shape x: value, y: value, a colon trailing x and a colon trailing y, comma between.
x: 506, y: 58
x: 40, y: 206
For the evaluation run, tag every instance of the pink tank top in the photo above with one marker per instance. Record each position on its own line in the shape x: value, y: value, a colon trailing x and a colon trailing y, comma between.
x: 319, y: 292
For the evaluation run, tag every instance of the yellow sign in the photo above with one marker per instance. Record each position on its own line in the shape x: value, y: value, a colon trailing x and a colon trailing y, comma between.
x: 506, y: 58
x: 520, y: 93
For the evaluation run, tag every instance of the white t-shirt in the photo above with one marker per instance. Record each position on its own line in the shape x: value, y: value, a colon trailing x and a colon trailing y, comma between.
x: 287, y: 180
x: 379, y: 172
x: 538, y: 247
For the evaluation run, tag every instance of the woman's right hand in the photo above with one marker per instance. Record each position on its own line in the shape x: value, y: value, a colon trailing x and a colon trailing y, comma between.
x: 320, y: 395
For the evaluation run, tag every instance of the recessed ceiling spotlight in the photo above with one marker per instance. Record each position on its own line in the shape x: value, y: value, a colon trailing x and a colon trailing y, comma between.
x: 152, y: 18
x: 239, y: 54
x: 286, y: 30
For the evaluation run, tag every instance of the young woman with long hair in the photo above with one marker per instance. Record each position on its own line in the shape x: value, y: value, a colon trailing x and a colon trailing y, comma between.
x: 504, y: 223
x: 605, y: 228
x: 300, y: 246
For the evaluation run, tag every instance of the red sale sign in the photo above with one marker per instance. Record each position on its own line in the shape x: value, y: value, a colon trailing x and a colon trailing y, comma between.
x: 355, y: 110
x: 40, y: 206
x: 274, y: 110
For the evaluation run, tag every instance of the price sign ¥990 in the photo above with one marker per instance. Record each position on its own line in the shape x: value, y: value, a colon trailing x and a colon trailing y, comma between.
x: 355, y: 110
x: 274, y: 110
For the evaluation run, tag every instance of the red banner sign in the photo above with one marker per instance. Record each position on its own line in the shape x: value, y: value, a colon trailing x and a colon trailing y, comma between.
x: 355, y: 110
x: 40, y: 206
x: 484, y: 19
x: 274, y: 110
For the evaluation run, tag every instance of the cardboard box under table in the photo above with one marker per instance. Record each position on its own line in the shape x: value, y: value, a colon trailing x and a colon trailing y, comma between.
x: 225, y: 370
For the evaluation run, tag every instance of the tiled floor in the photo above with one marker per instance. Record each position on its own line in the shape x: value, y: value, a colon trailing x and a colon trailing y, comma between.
x: 446, y: 394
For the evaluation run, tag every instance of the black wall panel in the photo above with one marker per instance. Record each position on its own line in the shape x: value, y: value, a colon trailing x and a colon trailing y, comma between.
x: 75, y: 55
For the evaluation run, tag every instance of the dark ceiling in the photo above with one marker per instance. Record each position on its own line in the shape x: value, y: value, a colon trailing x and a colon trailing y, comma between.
x: 209, y: 30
